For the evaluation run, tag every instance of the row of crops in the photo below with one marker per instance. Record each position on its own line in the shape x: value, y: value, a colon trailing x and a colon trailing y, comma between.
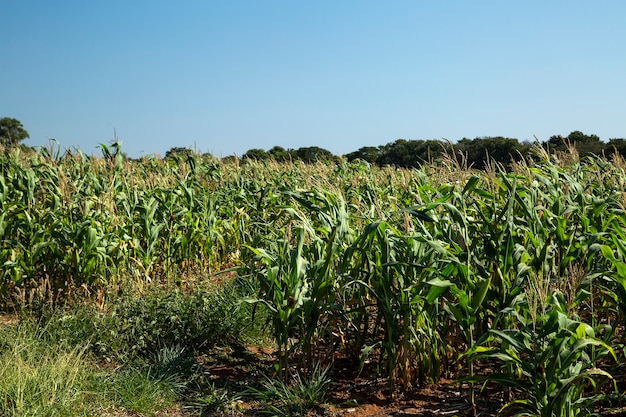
x: 518, y: 278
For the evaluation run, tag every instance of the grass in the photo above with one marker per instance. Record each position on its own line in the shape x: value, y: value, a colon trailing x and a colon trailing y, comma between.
x: 296, y: 397
x: 137, y: 355
x: 137, y: 391
x: 40, y: 378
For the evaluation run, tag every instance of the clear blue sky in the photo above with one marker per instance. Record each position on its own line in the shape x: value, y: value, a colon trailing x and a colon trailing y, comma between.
x: 227, y: 75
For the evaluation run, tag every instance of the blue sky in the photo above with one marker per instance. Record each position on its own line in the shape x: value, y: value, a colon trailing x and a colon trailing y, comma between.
x: 226, y: 76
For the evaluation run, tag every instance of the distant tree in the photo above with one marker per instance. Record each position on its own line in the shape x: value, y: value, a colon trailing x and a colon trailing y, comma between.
x: 278, y: 153
x: 526, y: 146
x: 255, y: 154
x: 366, y: 153
x: 313, y: 154
x: 579, y: 137
x: 11, y: 132
x: 410, y: 153
x: 498, y: 148
x: 616, y: 146
x: 584, y: 144
x: 397, y: 153
x: 178, y: 153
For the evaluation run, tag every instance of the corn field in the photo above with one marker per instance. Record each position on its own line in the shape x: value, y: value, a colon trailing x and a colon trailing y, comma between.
x: 515, y: 277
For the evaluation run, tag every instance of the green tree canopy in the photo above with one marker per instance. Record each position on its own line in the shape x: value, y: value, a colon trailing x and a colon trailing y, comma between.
x: 584, y: 144
x: 616, y: 145
x: 256, y: 154
x: 498, y: 148
x: 11, y: 132
x: 280, y: 154
x: 410, y: 153
x: 313, y: 153
x: 178, y: 152
x: 366, y: 153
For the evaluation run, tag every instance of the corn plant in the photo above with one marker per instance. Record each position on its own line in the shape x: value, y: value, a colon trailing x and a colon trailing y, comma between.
x: 402, y: 269
x: 284, y: 291
x: 551, y: 363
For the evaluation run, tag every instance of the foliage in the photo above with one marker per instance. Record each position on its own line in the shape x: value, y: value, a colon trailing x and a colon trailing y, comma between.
x: 584, y: 144
x: 616, y: 146
x: 313, y: 154
x: 173, y: 365
x: 552, y: 361
x: 46, y: 377
x: 216, y: 400
x: 255, y: 154
x: 177, y: 153
x: 480, y: 151
x: 303, y: 394
x: 369, y: 154
x: 151, y: 325
x: 306, y: 154
x: 280, y: 154
x: 11, y: 132
x: 33, y: 374
x: 392, y: 270
x: 141, y: 325
x: 410, y: 153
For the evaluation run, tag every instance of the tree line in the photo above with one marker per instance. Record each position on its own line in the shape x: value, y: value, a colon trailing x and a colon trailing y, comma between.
x: 406, y: 153
x: 476, y: 153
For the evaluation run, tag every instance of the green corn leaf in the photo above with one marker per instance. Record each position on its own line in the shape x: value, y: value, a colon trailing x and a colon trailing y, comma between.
x: 461, y: 296
x: 456, y: 314
x: 419, y: 213
x: 437, y: 289
x: 520, y: 345
x: 471, y: 184
x: 365, y: 353
x: 479, y: 296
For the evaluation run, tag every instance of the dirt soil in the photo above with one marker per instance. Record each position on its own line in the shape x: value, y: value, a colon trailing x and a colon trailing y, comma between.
x: 348, y: 395
x: 352, y: 396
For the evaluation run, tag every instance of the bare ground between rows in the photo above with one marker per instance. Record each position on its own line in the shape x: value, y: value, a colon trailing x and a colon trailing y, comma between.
x: 352, y: 396
x: 349, y: 395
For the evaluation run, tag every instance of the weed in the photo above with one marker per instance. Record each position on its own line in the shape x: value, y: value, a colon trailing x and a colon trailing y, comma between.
x: 304, y: 393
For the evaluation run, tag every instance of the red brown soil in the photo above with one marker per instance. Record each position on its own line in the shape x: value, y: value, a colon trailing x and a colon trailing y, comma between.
x: 350, y: 395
